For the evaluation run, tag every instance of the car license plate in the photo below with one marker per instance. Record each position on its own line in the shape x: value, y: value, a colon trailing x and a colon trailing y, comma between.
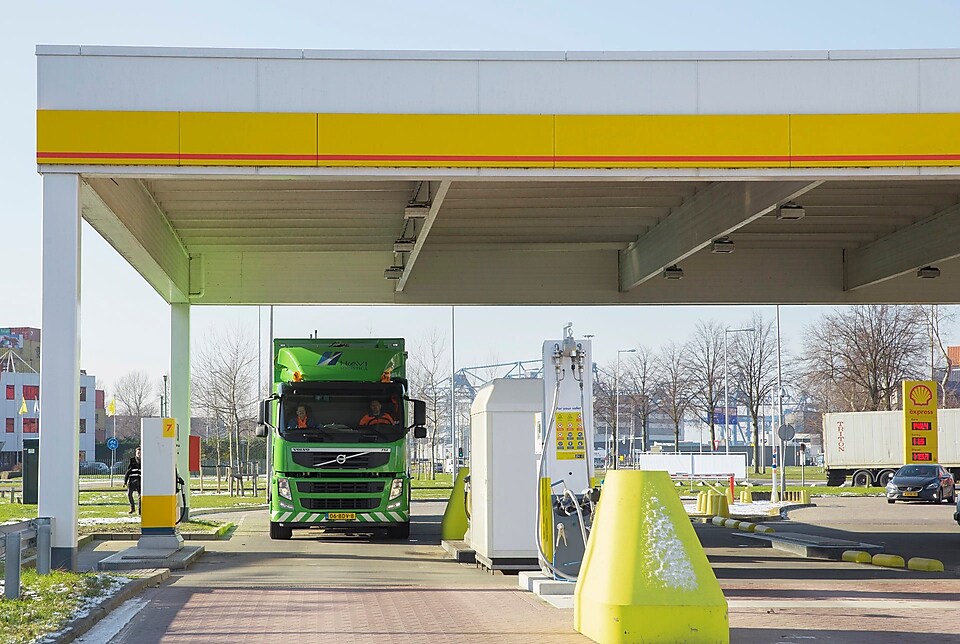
x: 342, y: 516
x: 909, y: 494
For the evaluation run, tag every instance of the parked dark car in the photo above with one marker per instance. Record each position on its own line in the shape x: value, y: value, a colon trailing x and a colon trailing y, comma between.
x: 921, y: 483
x: 94, y: 467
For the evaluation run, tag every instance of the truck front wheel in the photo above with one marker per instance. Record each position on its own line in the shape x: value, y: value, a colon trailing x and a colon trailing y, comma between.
x: 278, y: 531
x: 399, y: 531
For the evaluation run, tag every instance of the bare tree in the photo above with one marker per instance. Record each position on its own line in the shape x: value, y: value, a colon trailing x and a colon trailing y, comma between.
x: 861, y: 354
x: 642, y: 376
x: 754, y: 361
x: 674, y: 391
x: 705, y: 362
x: 428, y: 373
x: 225, y: 386
x: 939, y: 321
x: 136, y: 399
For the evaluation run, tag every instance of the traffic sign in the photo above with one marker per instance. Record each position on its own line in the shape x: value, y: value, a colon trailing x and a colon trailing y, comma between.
x: 112, y: 444
x: 786, y: 432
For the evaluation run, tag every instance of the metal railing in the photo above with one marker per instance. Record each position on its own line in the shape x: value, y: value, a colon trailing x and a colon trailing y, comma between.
x: 17, y: 538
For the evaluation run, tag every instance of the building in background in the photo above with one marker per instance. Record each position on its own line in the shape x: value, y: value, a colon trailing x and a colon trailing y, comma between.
x: 20, y: 397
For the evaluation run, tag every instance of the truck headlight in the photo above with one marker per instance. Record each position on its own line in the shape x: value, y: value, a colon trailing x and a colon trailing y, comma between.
x: 283, y: 489
x: 396, y: 488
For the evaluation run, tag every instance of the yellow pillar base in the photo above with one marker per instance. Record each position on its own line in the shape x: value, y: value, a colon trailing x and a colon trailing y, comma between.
x: 645, y: 577
x: 454, y: 523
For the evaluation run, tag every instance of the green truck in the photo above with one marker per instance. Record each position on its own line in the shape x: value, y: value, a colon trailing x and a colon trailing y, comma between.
x: 338, y: 434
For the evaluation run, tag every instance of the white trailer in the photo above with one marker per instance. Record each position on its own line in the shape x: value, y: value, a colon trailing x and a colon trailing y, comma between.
x: 868, y: 446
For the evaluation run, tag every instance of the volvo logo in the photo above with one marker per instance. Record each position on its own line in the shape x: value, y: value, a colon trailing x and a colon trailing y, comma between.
x: 341, y: 459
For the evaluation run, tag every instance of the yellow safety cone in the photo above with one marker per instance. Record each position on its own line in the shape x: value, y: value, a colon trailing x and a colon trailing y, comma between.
x: 645, y: 577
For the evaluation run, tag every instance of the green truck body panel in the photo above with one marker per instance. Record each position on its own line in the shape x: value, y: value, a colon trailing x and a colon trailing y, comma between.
x: 333, y: 472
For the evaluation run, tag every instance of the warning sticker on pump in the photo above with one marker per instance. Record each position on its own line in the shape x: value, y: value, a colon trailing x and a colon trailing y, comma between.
x: 570, y: 436
x: 342, y: 516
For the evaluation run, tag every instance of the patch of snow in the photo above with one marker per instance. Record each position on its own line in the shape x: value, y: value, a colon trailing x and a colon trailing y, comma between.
x: 102, y: 520
x: 666, y: 560
x: 111, y: 587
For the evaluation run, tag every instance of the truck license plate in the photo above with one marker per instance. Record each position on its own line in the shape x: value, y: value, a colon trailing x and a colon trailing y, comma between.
x: 342, y: 516
x: 909, y: 494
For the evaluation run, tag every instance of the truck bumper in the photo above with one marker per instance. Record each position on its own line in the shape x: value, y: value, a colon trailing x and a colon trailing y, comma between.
x: 306, y: 519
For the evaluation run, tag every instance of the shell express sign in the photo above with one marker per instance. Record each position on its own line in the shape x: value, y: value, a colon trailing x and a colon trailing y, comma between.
x: 920, y: 421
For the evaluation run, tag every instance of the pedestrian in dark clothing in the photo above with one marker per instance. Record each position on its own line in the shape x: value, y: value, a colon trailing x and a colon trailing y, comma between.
x: 132, y: 481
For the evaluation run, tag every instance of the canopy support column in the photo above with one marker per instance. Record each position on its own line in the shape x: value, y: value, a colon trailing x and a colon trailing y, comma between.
x: 180, y: 389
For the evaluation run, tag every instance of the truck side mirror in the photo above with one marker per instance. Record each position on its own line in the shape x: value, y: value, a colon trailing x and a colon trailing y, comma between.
x: 419, y: 431
x: 263, y: 418
x: 419, y: 414
x: 260, y: 431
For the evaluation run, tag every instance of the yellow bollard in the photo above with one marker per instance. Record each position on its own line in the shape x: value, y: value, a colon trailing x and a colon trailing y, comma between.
x: 701, y: 502
x: 746, y: 526
x: 723, y: 510
x: 644, y: 575
x: 717, y: 521
x: 856, y: 556
x: 746, y: 496
x: 454, y: 523
x: 805, y: 496
x: 731, y: 523
x: 764, y: 529
x: 888, y: 561
x: 926, y: 565
x: 729, y: 494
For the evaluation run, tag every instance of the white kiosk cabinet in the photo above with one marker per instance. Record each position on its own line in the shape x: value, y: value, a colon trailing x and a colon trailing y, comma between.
x: 503, y: 473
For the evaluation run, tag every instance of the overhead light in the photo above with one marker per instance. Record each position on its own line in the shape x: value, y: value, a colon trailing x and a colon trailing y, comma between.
x: 416, y: 210
x: 403, y: 245
x: 722, y: 245
x: 393, y: 273
x: 790, y: 211
x: 673, y: 272
x: 928, y: 272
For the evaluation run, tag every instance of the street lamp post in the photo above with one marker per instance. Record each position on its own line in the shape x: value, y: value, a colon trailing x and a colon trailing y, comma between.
x: 726, y: 388
x: 616, y: 422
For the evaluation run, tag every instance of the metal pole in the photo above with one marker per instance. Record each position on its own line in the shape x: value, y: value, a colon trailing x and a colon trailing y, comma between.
x: 783, y: 452
x: 454, y: 457
x: 616, y: 421
x: 269, y: 481
x: 11, y: 579
x: 44, y: 532
x: 726, y: 396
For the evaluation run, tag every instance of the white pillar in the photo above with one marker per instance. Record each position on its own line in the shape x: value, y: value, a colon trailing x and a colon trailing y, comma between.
x: 60, y: 364
x: 180, y: 387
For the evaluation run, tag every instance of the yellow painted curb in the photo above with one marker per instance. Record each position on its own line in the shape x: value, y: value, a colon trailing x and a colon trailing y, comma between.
x: 856, y: 556
x: 731, y: 523
x: 764, y: 529
x: 746, y: 526
x: 644, y: 575
x: 888, y: 561
x: 718, y: 521
x: 927, y: 565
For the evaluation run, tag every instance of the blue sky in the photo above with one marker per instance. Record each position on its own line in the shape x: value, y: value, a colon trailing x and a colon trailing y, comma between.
x: 125, y: 325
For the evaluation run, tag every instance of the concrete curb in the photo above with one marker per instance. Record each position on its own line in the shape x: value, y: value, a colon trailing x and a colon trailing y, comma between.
x: 78, y: 627
x: 216, y: 535
x: 241, y: 508
x: 784, y: 510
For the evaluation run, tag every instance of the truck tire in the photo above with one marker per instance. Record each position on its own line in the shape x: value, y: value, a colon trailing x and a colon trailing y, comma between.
x: 399, y: 531
x: 278, y: 531
x: 835, y: 478
x: 884, y: 477
x: 862, y: 478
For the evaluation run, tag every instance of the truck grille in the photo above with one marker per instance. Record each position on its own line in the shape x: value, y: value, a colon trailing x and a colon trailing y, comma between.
x: 339, y: 504
x: 329, y: 458
x: 340, y: 487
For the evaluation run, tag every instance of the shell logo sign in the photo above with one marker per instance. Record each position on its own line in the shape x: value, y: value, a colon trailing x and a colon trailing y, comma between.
x: 920, y: 395
x: 920, y: 421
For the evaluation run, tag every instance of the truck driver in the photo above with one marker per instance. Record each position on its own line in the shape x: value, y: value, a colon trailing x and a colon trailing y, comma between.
x: 377, y: 416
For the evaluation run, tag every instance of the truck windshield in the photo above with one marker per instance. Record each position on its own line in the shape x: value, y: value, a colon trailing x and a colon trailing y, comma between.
x: 342, y: 418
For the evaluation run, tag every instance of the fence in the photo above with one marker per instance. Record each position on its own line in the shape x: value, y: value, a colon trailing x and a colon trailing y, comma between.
x: 18, y: 537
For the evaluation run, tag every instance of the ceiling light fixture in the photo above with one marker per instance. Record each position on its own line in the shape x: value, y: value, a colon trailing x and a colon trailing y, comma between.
x: 416, y: 210
x: 790, y: 211
x: 722, y: 245
x: 928, y: 272
x: 393, y: 273
x: 673, y: 272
